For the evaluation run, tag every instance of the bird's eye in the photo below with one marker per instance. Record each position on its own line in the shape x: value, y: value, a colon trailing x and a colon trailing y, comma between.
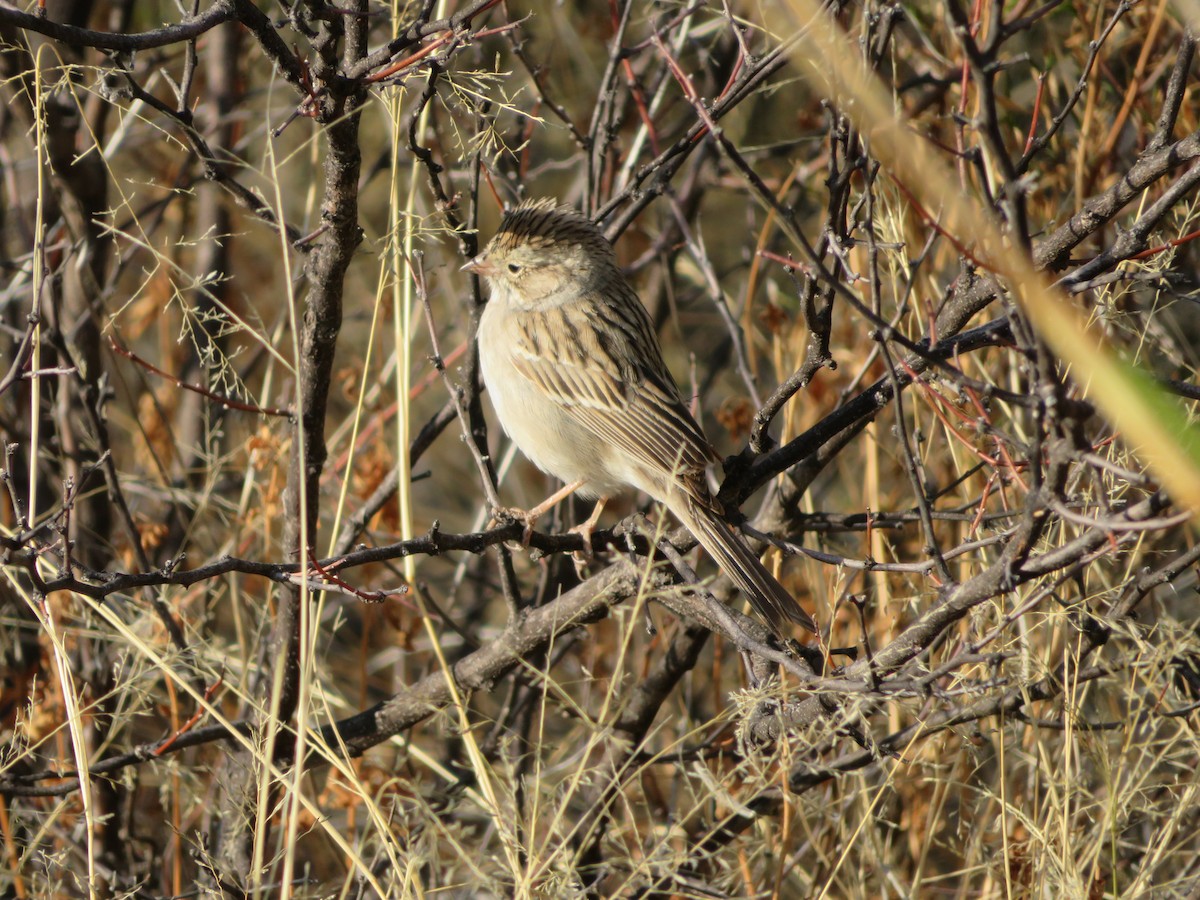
x: 514, y: 268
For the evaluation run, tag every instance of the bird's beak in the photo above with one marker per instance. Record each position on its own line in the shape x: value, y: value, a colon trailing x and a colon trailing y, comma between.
x: 480, y: 265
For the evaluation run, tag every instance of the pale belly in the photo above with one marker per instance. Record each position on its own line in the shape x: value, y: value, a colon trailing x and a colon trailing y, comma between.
x: 543, y: 430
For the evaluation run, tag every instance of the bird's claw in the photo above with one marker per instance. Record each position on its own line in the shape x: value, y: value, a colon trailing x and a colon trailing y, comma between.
x: 583, y: 556
x: 503, y: 515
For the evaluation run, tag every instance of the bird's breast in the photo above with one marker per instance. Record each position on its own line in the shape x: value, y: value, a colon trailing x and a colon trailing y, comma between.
x: 544, y: 430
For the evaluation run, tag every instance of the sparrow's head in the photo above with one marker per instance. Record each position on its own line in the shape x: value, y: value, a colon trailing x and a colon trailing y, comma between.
x: 543, y: 252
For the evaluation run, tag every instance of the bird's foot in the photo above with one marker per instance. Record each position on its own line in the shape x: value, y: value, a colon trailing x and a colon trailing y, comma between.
x: 583, y: 556
x: 529, y: 517
x: 503, y: 515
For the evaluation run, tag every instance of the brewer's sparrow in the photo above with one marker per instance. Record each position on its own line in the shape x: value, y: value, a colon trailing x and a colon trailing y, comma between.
x: 576, y: 376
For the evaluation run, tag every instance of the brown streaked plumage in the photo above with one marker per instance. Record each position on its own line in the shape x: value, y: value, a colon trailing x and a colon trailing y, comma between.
x: 577, y: 378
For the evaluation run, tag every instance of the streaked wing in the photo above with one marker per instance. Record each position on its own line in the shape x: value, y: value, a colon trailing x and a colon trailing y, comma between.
x: 607, y: 370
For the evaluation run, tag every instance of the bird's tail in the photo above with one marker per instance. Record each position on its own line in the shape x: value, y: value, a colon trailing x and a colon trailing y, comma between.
x: 739, y: 562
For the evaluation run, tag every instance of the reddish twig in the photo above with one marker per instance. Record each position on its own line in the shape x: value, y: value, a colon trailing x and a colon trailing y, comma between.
x: 787, y: 262
x: 933, y: 223
x: 1175, y: 242
x: 227, y: 402
x: 1037, y: 108
x: 190, y: 723
x: 366, y: 596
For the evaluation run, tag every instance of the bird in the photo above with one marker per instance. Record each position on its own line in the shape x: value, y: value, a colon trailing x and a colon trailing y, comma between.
x: 575, y: 373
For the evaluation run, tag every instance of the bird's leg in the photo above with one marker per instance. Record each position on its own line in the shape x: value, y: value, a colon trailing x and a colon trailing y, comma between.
x: 530, y: 516
x: 584, y: 530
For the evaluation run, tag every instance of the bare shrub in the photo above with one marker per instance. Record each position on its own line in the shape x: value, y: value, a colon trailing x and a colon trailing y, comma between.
x: 260, y: 631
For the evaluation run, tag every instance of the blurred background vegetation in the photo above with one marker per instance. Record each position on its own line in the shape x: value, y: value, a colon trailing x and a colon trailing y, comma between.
x: 232, y: 239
